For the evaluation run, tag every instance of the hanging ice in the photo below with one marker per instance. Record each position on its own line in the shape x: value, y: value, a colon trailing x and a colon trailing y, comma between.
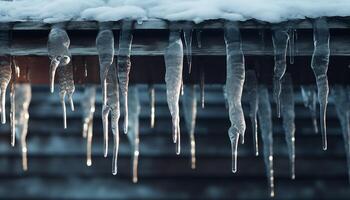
x: 341, y: 102
x: 309, y: 96
x: 173, y: 57
x: 265, y: 124
x: 187, y: 31
x: 202, y: 88
x: 88, y: 109
x: 59, y: 54
x: 112, y: 105
x: 280, y: 40
x: 319, y: 64
x: 124, y: 65
x: 5, y: 77
x: 292, y: 38
x: 152, y: 96
x: 288, y: 116
x: 22, y: 101
x: 66, y: 83
x: 12, y: 98
x: 199, y: 38
x: 105, y: 49
x: 251, y: 87
x: 189, y: 104
x: 235, y: 75
x: 133, y: 135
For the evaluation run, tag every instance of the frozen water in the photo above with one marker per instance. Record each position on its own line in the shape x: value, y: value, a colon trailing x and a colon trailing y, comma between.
x: 309, y: 96
x: 202, y: 88
x: 280, y: 40
x: 5, y: 77
x: 173, y: 57
x: 265, y: 124
x: 124, y: 64
x: 133, y: 134
x: 187, y: 31
x: 152, y: 96
x: 319, y: 64
x: 288, y: 116
x: 189, y: 104
x: 235, y: 76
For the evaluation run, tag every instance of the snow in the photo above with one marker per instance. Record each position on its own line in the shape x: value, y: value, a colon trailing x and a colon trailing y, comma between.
x: 51, y: 11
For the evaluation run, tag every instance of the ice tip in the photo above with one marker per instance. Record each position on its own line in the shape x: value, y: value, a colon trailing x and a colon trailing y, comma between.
x: 88, y: 163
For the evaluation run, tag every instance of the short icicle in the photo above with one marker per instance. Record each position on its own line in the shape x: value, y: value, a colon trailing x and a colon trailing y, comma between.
x: 288, y: 116
x: 265, y: 124
x: 202, y: 88
x: 319, y: 64
x: 235, y: 76
x: 309, y: 96
x: 5, y: 77
x: 280, y: 40
x: 66, y: 84
x: 173, y: 57
x: 251, y: 87
x: 22, y: 101
x: 189, y: 104
x: 88, y: 109
x: 292, y: 38
x: 105, y: 50
x: 124, y: 64
x: 133, y: 134
x: 58, y: 44
x: 152, y: 96
x: 187, y: 32
x: 342, y: 106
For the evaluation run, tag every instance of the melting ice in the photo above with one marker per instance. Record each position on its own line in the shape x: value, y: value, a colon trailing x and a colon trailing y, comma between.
x: 5, y: 77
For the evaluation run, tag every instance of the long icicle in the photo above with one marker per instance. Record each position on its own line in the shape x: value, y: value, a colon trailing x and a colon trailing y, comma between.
x: 235, y: 76
x: 124, y: 64
x: 58, y: 44
x: 105, y: 49
x: 341, y: 102
x: 319, y: 64
x: 88, y: 109
x: 173, y: 57
x: 13, y: 108
x: 66, y: 83
x: 112, y: 105
x: 133, y: 135
x: 5, y: 77
x: 22, y: 101
x: 202, y: 88
x: 288, y: 116
x: 251, y: 87
x: 280, y: 40
x: 189, y: 104
x: 152, y: 96
x: 265, y: 124
x: 309, y: 97
x: 292, y: 33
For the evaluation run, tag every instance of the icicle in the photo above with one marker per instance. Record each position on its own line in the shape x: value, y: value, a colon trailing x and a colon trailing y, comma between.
x: 66, y: 82
x: 202, y: 88
x: 88, y: 109
x: 235, y: 76
x: 133, y: 135
x: 265, y: 124
x: 124, y: 65
x: 280, y: 40
x: 288, y: 116
x: 188, y: 44
x: 309, y: 96
x: 199, y: 38
x: 291, y: 45
x: 152, y: 96
x: 319, y: 64
x: 105, y: 49
x: 58, y: 44
x: 173, y: 57
x: 5, y: 77
x: 251, y: 86
x: 341, y: 102
x: 22, y: 101
x: 189, y: 104
x: 85, y: 70
x: 112, y: 105
x: 13, y: 114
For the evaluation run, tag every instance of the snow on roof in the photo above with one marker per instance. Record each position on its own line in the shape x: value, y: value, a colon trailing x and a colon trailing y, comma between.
x: 193, y: 10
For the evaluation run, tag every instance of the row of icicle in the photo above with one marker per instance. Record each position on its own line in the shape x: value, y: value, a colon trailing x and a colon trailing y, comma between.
x: 114, y: 76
